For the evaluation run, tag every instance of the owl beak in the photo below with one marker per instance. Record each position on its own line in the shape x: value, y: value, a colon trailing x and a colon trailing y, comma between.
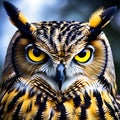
x: 60, y: 75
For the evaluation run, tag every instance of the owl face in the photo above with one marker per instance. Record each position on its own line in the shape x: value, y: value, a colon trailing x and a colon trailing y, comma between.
x: 61, y: 55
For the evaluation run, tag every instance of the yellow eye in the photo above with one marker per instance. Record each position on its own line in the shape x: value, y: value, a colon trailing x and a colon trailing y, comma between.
x: 84, y: 56
x: 35, y: 54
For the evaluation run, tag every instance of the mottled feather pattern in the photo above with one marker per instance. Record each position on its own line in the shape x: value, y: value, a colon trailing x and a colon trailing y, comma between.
x: 59, y: 70
x: 26, y: 102
x: 57, y: 35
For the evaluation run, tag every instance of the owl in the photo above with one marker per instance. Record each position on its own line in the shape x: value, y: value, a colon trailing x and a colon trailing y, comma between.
x: 59, y: 70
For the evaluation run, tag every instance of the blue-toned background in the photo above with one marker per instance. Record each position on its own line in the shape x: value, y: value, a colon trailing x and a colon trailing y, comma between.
x: 41, y: 10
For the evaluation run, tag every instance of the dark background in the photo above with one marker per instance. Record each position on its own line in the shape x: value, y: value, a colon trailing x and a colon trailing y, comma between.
x: 41, y: 10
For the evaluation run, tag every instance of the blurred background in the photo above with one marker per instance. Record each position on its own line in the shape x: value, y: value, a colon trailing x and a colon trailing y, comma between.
x: 41, y: 10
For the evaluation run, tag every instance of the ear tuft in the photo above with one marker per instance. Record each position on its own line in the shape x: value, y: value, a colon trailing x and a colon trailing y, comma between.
x: 18, y: 19
x: 102, y: 17
x: 95, y: 18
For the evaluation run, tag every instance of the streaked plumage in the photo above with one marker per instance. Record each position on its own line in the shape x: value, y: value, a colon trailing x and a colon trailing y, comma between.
x: 59, y: 70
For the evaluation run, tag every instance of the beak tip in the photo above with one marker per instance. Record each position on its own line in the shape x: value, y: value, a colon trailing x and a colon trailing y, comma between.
x: 60, y: 86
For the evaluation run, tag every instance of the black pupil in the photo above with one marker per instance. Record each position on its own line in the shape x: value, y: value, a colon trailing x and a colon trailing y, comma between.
x: 36, y: 52
x: 82, y: 54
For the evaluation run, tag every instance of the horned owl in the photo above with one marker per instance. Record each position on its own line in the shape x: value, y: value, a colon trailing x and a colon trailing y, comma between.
x: 59, y: 70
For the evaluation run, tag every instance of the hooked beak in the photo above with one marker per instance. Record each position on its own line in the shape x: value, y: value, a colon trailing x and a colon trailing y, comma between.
x: 60, y: 75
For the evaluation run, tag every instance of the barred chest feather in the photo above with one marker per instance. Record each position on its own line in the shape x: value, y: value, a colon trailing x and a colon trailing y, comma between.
x: 22, y: 102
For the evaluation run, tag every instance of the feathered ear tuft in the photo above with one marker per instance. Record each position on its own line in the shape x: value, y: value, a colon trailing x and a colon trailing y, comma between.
x: 18, y: 19
x: 102, y: 17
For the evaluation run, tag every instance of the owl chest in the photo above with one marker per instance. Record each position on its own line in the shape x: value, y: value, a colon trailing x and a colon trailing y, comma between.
x: 20, y: 105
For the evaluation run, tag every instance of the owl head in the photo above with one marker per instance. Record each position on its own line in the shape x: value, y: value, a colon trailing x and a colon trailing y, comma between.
x: 60, y: 55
